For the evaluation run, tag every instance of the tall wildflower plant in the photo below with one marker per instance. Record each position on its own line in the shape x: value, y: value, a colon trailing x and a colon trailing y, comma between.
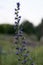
x: 20, y: 41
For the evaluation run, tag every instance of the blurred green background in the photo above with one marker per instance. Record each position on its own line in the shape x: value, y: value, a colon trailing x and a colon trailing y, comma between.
x: 34, y: 36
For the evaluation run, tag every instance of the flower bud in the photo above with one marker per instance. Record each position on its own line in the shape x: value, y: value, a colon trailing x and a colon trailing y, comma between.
x: 16, y: 18
x: 19, y: 16
x: 18, y: 5
x: 15, y: 9
x: 17, y: 48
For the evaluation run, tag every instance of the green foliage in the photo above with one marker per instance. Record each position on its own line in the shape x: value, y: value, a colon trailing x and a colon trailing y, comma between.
x: 1, y: 29
x: 28, y: 27
x: 7, y: 29
x: 11, y: 58
x: 39, y: 30
x: 37, y: 55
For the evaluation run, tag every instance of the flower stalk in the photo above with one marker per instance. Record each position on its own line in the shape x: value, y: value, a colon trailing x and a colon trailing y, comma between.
x: 22, y: 51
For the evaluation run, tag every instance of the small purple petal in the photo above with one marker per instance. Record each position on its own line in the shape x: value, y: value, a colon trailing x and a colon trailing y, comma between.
x: 17, y: 53
x: 24, y: 42
x: 20, y: 49
x: 16, y: 36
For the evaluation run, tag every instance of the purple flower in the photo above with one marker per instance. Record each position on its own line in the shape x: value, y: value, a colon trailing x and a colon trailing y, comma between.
x: 24, y: 61
x: 17, y: 53
x: 21, y: 29
x: 16, y: 23
x: 19, y: 34
x: 25, y: 55
x: 16, y: 37
x: 24, y: 42
x: 19, y: 16
x: 18, y: 20
x: 20, y: 49
x: 18, y: 5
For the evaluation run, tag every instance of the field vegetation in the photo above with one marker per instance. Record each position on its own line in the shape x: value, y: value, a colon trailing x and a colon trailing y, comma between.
x: 8, y: 57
